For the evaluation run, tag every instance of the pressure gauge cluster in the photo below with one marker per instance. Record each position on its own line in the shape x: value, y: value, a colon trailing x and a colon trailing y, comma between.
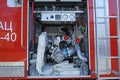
x: 58, y: 16
x: 68, y: 17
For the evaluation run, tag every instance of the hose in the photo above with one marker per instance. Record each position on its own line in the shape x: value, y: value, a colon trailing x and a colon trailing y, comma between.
x: 79, y: 54
x: 40, y: 55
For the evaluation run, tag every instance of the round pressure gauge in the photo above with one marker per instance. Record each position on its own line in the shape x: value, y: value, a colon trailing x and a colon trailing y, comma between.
x: 65, y: 17
x: 72, y: 17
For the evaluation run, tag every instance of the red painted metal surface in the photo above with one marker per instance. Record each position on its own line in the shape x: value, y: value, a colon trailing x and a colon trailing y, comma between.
x: 113, y: 32
x: 10, y: 40
x: 12, y: 51
x: 91, y: 32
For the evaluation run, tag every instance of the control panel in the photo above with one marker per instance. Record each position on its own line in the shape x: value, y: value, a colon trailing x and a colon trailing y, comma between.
x: 58, y: 16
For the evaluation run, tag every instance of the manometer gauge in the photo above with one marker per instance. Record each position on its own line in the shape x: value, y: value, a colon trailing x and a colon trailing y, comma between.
x: 72, y: 17
x: 65, y: 17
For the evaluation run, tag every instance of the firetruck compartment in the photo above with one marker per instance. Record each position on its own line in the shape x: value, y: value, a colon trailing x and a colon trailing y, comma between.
x: 58, y: 39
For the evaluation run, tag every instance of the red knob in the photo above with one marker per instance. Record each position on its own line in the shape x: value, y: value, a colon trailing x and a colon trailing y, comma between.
x: 77, y: 40
x: 66, y: 37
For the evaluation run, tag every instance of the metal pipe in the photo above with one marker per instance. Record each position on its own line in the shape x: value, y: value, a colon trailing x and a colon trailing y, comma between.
x: 59, y: 11
x: 79, y: 54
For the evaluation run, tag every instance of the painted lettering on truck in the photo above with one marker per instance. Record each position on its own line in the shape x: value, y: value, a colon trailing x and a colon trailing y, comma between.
x: 10, y: 35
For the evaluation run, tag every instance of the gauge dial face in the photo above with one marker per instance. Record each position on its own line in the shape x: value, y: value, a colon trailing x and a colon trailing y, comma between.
x: 65, y: 17
x: 72, y: 17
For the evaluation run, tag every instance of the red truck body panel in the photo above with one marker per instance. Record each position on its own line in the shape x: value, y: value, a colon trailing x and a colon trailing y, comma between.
x: 14, y: 39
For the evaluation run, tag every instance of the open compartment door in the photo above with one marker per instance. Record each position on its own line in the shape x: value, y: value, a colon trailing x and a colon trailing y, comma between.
x: 108, y: 38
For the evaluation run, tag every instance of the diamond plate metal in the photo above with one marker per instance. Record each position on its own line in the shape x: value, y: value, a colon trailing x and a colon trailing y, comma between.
x: 103, y: 45
x: 11, y: 69
x: 100, y: 3
x: 105, y: 66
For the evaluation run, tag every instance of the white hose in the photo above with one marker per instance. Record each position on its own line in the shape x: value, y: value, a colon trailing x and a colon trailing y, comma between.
x: 70, y: 73
x: 79, y: 54
x: 40, y: 55
x: 67, y: 69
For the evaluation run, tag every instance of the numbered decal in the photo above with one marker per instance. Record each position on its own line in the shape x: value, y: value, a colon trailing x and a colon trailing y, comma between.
x: 9, y: 36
